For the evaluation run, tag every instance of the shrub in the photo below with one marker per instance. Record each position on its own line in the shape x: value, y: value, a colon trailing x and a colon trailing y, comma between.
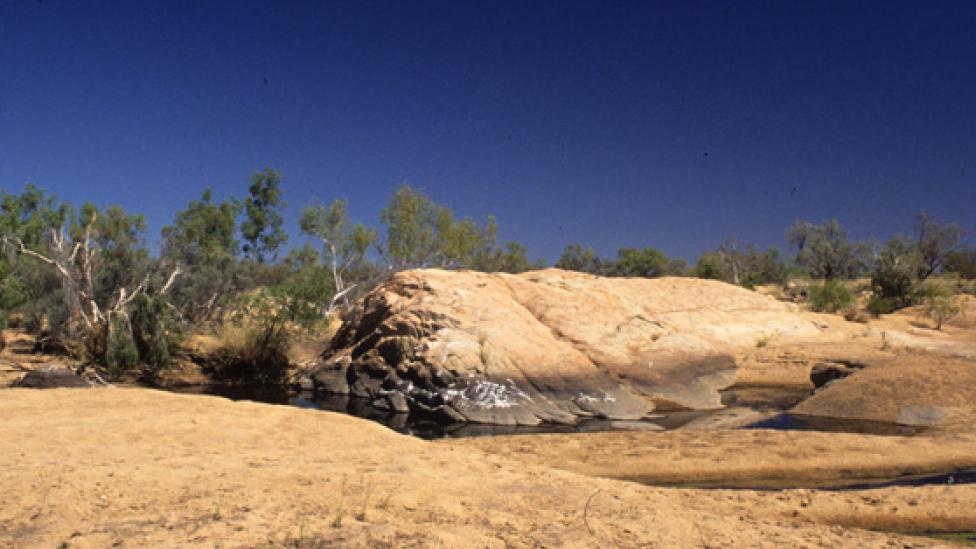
x: 892, y: 279
x: 829, y: 297
x: 155, y: 332
x: 250, y: 353
x: 121, y: 354
x: 879, y: 305
x: 256, y: 340
x: 940, y: 300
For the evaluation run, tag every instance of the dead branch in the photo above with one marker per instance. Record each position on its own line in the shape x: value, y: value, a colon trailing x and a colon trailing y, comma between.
x: 338, y: 296
x: 172, y: 278
x: 586, y: 508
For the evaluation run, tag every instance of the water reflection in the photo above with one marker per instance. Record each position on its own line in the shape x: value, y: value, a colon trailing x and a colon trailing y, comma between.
x: 425, y: 427
x: 428, y: 427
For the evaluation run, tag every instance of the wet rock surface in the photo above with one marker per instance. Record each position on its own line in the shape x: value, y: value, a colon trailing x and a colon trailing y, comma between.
x: 546, y: 346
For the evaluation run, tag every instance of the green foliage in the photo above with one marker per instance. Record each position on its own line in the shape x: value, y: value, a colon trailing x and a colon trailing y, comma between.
x: 935, y: 242
x: 892, y: 278
x: 423, y: 234
x: 710, y: 265
x: 344, y: 245
x: 12, y: 291
x: 123, y: 259
x: 632, y: 262
x: 121, y: 354
x: 825, y: 251
x: 155, y: 332
x: 577, y: 258
x: 829, y: 297
x: 29, y: 215
x: 415, y: 227
x: 204, y: 230
x: 265, y: 324
x: 878, y: 305
x: 746, y: 266
x: 202, y: 240
x: 261, y: 229
x: 24, y: 284
x: 961, y: 262
x: 940, y: 300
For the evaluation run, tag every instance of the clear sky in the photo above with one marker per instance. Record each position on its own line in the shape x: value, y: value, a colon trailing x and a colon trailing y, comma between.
x: 676, y: 125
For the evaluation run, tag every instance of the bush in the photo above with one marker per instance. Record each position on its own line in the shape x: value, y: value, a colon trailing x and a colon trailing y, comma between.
x: 255, y: 341
x: 940, y: 300
x: 121, y: 354
x: 250, y: 354
x: 879, y: 305
x: 892, y: 280
x: 829, y: 297
x: 155, y: 332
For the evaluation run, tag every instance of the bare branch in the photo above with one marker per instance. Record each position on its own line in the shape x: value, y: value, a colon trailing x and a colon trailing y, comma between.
x: 172, y: 278
x: 338, y: 296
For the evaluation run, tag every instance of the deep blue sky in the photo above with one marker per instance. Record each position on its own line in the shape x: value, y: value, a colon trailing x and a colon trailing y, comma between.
x: 676, y: 125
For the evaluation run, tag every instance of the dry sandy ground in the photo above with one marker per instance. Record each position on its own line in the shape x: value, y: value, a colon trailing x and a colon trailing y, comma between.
x: 751, y: 457
x: 134, y: 467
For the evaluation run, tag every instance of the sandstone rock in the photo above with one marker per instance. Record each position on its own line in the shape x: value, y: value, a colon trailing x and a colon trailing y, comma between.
x: 921, y: 416
x: 911, y: 389
x: 548, y: 346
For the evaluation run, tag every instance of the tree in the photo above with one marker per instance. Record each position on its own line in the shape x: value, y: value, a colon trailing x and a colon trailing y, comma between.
x: 412, y: 221
x: 940, y: 301
x: 261, y: 228
x: 892, y: 281
x: 799, y: 234
x: 677, y: 267
x: 824, y: 250
x: 78, y: 253
x: 936, y: 241
x: 712, y: 266
x: 577, y: 258
x: 423, y: 234
x: 732, y: 256
x: 202, y: 240
x: 344, y: 245
x: 648, y: 263
x: 746, y: 266
x: 962, y: 262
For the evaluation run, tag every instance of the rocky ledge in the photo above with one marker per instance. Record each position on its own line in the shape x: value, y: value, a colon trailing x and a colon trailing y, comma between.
x: 546, y: 346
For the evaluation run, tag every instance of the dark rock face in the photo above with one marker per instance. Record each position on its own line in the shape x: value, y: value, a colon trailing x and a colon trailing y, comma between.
x: 826, y: 372
x: 51, y: 377
x: 549, y: 346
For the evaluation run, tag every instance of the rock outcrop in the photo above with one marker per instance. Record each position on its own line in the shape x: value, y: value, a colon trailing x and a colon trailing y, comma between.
x: 547, y: 346
x: 50, y: 377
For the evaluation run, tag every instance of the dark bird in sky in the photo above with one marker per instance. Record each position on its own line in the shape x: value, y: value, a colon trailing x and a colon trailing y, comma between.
x: 704, y: 155
x: 793, y: 191
x: 265, y: 80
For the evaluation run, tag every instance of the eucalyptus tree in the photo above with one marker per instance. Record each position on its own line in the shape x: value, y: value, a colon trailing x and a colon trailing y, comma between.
x: 261, y: 228
x: 203, y: 240
x: 577, y: 258
x: 936, y: 242
x: 825, y: 250
x: 344, y: 245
